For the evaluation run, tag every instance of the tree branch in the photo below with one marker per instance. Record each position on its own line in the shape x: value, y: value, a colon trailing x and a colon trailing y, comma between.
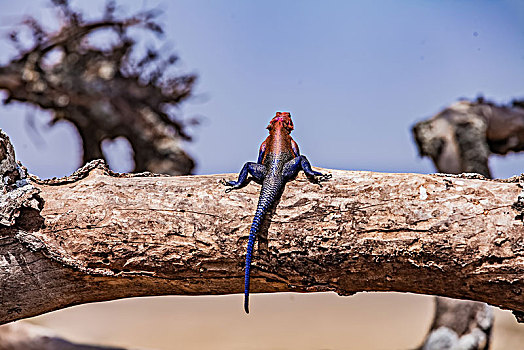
x: 461, y: 137
x: 102, y: 236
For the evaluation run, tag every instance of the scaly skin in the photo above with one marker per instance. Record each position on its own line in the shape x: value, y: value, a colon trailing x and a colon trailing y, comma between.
x: 279, y: 160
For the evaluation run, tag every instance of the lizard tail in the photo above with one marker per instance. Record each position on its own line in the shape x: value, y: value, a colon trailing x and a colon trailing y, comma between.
x: 267, y: 197
x: 251, y: 242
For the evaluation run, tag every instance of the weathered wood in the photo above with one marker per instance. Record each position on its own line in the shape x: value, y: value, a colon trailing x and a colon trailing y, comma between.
x: 101, y: 236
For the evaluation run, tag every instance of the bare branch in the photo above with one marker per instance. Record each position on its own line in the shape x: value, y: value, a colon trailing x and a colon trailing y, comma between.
x: 461, y: 137
x: 101, y: 236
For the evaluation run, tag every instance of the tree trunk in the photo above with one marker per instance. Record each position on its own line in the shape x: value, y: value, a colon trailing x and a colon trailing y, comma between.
x: 99, y: 236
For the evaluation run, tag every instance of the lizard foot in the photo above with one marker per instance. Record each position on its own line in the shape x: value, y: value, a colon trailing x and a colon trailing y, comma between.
x: 228, y: 183
x: 225, y: 182
x: 324, y: 177
x: 318, y: 179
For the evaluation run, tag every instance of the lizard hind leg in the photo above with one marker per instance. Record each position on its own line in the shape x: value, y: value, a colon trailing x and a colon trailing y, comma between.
x: 292, y: 167
x: 258, y: 171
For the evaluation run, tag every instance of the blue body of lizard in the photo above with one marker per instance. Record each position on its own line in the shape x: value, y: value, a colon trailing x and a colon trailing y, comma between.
x: 279, y: 160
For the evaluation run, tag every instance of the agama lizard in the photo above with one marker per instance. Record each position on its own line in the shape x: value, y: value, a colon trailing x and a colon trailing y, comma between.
x: 278, y: 161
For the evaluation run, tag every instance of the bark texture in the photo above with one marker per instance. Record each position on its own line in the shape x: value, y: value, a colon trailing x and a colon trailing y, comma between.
x: 102, y: 236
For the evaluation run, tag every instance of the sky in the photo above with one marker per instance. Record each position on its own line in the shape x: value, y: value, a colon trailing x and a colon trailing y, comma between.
x: 356, y: 75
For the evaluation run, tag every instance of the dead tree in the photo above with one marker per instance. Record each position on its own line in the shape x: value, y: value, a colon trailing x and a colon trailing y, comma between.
x: 105, y: 93
x: 97, y: 236
x: 460, y: 139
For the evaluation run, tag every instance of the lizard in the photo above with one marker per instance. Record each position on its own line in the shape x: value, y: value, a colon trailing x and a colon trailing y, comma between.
x: 279, y: 160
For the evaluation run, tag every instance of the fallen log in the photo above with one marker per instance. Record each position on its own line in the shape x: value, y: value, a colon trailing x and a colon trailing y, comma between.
x: 98, y: 236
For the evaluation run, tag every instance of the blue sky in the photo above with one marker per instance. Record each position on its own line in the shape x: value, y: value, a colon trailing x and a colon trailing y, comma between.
x: 355, y: 76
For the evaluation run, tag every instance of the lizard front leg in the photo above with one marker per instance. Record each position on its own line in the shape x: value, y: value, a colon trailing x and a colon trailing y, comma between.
x: 258, y: 171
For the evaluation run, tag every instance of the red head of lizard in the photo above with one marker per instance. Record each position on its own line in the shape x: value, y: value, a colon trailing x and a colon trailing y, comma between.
x: 281, y: 120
